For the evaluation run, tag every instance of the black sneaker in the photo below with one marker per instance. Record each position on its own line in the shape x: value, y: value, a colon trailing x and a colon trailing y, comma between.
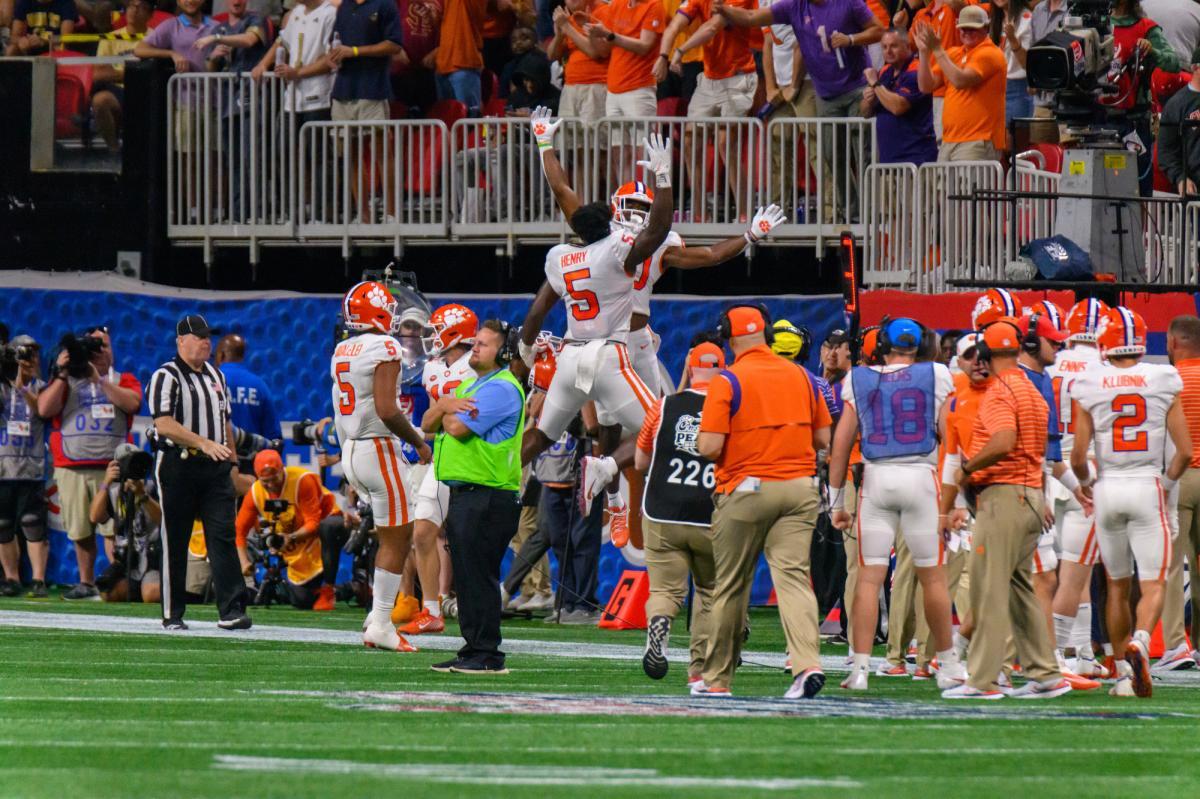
x: 10, y: 588
x: 242, y: 622
x: 447, y: 666
x: 654, y: 661
x: 470, y: 667
x: 83, y: 591
x: 174, y: 624
x: 38, y: 590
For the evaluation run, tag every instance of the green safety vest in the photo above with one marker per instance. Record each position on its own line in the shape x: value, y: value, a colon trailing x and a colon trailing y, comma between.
x: 476, y: 461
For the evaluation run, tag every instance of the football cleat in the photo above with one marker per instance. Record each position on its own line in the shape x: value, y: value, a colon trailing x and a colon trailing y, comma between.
x: 594, y: 476
x: 1090, y: 667
x: 922, y: 673
x: 1078, y: 682
x: 618, y: 521
x: 325, y: 599
x: 1122, y: 687
x: 951, y: 675
x: 1177, y: 659
x: 384, y: 636
x: 1037, y: 690
x: 967, y: 692
x: 700, y: 689
x: 1139, y: 662
x: 405, y: 609
x: 806, y: 685
x: 538, y: 602
x: 855, y: 681
x: 654, y: 660
x: 886, y: 669
x: 424, y: 622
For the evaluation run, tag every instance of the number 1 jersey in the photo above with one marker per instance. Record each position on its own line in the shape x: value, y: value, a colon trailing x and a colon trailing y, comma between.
x: 353, y: 373
x: 1129, y: 412
x: 593, y: 284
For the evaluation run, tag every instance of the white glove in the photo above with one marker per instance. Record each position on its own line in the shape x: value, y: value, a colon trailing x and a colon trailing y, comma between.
x: 766, y: 220
x: 658, y: 159
x: 543, y: 126
x: 527, y: 353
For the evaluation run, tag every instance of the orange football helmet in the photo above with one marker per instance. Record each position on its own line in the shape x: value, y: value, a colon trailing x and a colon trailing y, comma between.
x: 1121, y: 333
x: 1050, y: 312
x: 369, y: 306
x: 545, y: 361
x: 994, y: 304
x: 1084, y: 319
x: 453, y: 324
x: 625, y: 213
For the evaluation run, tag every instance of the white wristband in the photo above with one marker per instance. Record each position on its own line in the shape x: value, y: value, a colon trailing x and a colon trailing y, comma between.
x: 526, y: 351
x: 662, y: 180
x: 1167, y: 484
x: 837, y: 498
x: 1070, y: 481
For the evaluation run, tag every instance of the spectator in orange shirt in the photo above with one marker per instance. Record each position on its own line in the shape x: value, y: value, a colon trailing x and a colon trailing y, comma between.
x: 682, y: 83
x: 458, y: 58
x: 762, y: 423
x: 628, y: 32
x: 586, y: 70
x: 975, y: 77
x: 942, y: 16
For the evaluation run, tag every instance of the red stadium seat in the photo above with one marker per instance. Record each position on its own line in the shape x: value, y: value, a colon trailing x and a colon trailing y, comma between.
x: 397, y: 109
x: 72, y: 94
x: 496, y: 107
x: 448, y: 111
x: 1053, y: 153
x: 423, y: 162
x: 672, y: 107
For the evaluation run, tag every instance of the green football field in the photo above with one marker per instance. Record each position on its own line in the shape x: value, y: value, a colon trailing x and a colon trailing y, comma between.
x: 96, y: 701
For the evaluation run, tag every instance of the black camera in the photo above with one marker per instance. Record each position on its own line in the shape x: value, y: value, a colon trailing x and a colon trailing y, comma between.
x: 309, y: 433
x: 11, y: 354
x: 135, y: 465
x: 80, y: 352
x: 271, y: 537
x: 247, y: 444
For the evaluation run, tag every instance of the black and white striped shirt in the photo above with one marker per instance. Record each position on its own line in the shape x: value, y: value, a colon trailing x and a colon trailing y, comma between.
x: 197, y: 400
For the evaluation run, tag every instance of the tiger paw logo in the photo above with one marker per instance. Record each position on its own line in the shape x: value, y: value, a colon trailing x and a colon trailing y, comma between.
x: 377, y: 297
x: 454, y: 316
x: 539, y: 129
x: 764, y: 226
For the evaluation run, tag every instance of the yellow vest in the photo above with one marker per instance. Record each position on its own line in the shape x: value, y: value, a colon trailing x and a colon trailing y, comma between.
x: 304, y: 560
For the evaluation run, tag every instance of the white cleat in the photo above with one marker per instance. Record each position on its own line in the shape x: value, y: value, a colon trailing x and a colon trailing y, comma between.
x: 1177, y: 659
x: 1090, y: 667
x: 965, y: 691
x: 951, y: 675
x: 856, y: 681
x: 384, y: 636
x: 594, y: 476
x: 1038, y: 690
x: 1122, y: 687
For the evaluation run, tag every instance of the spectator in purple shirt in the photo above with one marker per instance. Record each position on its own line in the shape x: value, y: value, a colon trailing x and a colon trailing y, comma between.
x: 903, y: 113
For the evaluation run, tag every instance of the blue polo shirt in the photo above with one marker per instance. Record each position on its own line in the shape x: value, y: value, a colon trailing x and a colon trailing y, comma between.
x: 250, y: 403
x: 908, y: 138
x: 497, y: 410
x: 359, y: 24
x: 1045, y: 385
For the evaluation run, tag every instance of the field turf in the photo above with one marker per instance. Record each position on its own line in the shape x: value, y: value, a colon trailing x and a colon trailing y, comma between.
x: 295, y: 709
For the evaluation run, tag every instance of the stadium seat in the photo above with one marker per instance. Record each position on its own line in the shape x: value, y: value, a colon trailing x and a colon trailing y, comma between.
x: 72, y: 94
x: 1053, y: 153
x: 448, y: 111
x: 672, y: 107
x: 397, y: 109
x: 496, y: 107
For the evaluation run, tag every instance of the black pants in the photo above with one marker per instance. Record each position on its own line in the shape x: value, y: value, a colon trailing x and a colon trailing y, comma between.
x: 479, y: 524
x: 193, y: 488
x: 333, y: 533
x: 559, y: 521
x: 304, y: 595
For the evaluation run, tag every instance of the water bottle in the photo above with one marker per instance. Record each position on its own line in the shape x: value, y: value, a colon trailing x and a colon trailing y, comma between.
x: 334, y: 44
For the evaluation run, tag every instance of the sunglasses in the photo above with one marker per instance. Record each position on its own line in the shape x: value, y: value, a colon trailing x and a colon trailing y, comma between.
x: 87, y: 331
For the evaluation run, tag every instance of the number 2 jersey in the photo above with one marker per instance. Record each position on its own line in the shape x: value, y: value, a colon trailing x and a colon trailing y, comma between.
x: 1129, y: 412
x: 898, y: 408
x: 592, y: 282
x: 353, y: 371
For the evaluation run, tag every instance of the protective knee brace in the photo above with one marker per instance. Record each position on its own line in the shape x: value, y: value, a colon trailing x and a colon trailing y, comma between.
x: 33, y: 527
x: 7, y: 532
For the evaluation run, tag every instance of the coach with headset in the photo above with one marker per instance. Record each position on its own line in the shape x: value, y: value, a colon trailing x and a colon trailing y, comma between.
x: 762, y: 423
x: 478, y: 454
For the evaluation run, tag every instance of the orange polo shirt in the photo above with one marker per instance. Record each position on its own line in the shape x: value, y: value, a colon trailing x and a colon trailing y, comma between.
x: 627, y: 71
x: 768, y: 419
x: 964, y: 409
x: 729, y: 52
x: 977, y: 113
x: 460, y: 45
x: 1012, y: 402
x: 581, y: 68
x: 1189, y: 370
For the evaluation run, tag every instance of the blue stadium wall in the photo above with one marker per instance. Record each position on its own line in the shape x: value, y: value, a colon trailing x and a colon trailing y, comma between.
x: 290, y: 340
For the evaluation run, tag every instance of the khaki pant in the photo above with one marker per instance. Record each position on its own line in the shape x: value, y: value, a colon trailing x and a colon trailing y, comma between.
x: 538, y: 579
x: 673, y: 552
x: 906, y: 613
x: 777, y: 520
x: 850, y: 544
x: 783, y: 150
x: 958, y: 585
x: 1187, y: 547
x: 76, y: 489
x: 1007, y: 527
x: 968, y: 151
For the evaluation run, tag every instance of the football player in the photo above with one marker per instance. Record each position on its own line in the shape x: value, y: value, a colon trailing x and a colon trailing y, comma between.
x: 1127, y: 409
x: 900, y: 409
x: 372, y: 428
x: 454, y: 327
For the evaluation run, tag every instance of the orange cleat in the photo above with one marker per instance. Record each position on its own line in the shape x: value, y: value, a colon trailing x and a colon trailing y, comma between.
x: 424, y: 622
x: 1078, y: 682
x: 325, y: 599
x: 618, y: 525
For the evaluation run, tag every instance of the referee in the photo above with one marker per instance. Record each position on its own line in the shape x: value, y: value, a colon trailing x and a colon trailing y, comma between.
x: 190, y: 406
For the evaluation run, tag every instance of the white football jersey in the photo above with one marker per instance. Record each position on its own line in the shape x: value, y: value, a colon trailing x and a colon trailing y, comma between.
x: 943, y: 387
x: 649, y: 272
x: 441, y: 378
x: 593, y: 284
x: 1129, y: 411
x: 1068, y: 367
x: 353, y: 371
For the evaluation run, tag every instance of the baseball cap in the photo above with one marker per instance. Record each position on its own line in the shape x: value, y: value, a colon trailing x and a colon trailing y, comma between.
x: 1046, y: 329
x: 1002, y: 336
x: 904, y: 333
x: 745, y: 321
x: 706, y: 356
x: 267, y: 460
x: 836, y: 337
x: 968, y: 342
x: 973, y: 17
x: 193, y: 324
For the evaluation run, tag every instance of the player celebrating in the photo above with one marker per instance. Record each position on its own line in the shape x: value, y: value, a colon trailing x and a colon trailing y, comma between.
x: 454, y: 328
x: 1075, y: 530
x: 900, y: 409
x: 371, y: 426
x: 1127, y: 408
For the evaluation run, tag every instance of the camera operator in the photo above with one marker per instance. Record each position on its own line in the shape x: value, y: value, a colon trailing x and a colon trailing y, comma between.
x: 91, y: 407
x: 295, y: 532
x: 1179, y: 137
x: 22, y: 467
x: 124, y: 498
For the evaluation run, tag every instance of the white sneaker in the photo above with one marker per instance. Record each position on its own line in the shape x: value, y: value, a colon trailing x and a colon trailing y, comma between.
x: 1046, y: 690
x: 965, y: 691
x: 1122, y: 687
x: 951, y: 675
x: 539, y: 602
x: 886, y: 669
x: 594, y: 476
x: 696, y: 684
x: 806, y: 685
x: 384, y: 636
x: 1090, y: 667
x: 1177, y: 659
x: 856, y: 681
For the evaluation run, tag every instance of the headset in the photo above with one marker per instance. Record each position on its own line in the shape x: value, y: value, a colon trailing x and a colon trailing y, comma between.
x: 725, y: 327
x: 884, y: 344
x: 509, y: 348
x: 1031, y: 342
x: 985, y: 352
x: 800, y: 332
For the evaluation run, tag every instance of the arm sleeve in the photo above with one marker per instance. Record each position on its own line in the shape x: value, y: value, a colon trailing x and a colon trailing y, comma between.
x: 247, y: 517
x: 308, y: 501
x: 162, y: 389
x: 645, y: 439
x: 160, y: 37
x: 715, y: 416
x: 1165, y: 57
x: 655, y: 18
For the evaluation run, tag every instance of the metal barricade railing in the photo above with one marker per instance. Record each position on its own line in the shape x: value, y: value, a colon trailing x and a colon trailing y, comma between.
x: 961, y: 238
x: 1029, y: 218
x: 374, y: 179
x: 717, y: 170
x: 231, y: 157
x: 497, y: 185
x: 890, y: 226
x: 815, y: 169
x: 1165, y: 236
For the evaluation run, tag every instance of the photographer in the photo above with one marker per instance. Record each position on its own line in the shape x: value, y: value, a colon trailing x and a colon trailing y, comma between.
x: 123, y: 498
x: 91, y: 408
x: 22, y: 467
x: 292, y: 528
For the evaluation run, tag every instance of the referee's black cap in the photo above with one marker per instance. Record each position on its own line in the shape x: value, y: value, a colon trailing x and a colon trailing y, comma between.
x: 193, y: 324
